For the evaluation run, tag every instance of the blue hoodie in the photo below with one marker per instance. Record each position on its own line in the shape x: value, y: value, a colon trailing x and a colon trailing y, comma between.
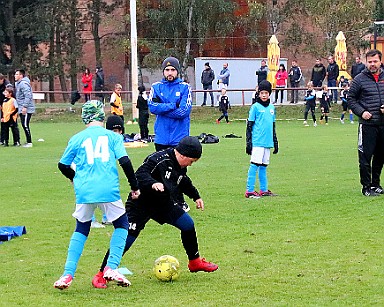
x: 171, y: 102
x: 24, y: 96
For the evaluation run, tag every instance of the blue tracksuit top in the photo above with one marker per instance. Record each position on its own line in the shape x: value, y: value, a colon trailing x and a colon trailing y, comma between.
x: 171, y: 102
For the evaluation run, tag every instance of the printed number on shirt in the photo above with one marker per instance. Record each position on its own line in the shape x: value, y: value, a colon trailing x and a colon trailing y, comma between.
x: 132, y: 226
x: 167, y: 175
x: 100, y: 151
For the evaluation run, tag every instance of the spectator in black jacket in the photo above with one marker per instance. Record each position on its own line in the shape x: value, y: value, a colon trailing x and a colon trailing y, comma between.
x: 295, y: 76
x: 332, y: 75
x: 99, y: 83
x: 357, y: 68
x: 366, y: 100
x: 318, y: 73
x: 262, y: 72
x: 207, y: 76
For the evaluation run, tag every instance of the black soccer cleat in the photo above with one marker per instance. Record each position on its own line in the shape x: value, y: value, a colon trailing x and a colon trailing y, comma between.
x: 378, y: 190
x: 369, y: 192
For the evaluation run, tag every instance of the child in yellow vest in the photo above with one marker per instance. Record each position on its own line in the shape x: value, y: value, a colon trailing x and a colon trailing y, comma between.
x: 9, y: 118
x: 116, y: 104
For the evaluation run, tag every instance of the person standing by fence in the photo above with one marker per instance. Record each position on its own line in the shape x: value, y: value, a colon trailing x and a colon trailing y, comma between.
x: 26, y: 106
x: 366, y: 100
x: 295, y: 76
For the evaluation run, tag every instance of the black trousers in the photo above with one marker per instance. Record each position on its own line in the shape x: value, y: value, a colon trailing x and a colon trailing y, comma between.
x: 294, y: 93
x: 371, y: 154
x: 2, y: 127
x: 15, y: 131
x: 25, y: 119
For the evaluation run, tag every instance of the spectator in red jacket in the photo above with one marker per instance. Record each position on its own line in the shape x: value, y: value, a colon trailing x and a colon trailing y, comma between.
x: 281, y: 82
x: 86, y: 80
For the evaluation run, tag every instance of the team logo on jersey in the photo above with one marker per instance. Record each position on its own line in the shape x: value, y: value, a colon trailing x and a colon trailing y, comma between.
x: 272, y: 111
x: 177, y: 94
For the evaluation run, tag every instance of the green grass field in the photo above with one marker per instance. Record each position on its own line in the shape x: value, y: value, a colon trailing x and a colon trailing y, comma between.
x: 319, y: 243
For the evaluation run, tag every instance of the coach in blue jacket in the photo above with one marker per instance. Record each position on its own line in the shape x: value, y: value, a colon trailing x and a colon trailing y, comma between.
x: 171, y: 101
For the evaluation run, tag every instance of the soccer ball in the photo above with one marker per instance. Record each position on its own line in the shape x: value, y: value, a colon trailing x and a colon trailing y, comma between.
x: 166, y: 268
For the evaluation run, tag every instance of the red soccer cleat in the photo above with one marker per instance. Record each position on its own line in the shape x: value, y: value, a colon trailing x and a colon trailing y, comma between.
x: 199, y: 264
x: 99, y: 281
x: 253, y: 194
x: 267, y: 193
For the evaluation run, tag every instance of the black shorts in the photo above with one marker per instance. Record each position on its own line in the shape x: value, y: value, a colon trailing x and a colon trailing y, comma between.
x: 324, y: 108
x: 345, y: 106
x: 139, y: 214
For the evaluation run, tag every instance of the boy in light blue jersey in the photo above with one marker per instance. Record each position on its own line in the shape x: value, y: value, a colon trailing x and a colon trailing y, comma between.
x: 94, y: 151
x: 260, y: 137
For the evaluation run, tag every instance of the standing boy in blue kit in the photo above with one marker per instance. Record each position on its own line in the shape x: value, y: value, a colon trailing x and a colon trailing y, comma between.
x: 260, y: 137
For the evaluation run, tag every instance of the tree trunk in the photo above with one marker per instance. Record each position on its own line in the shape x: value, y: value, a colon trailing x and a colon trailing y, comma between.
x: 60, y: 66
x: 188, y: 44
x: 72, y: 46
x: 51, y: 57
x: 11, y: 32
x: 95, y: 22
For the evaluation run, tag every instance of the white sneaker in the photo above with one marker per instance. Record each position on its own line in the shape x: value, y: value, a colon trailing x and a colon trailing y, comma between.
x: 64, y: 282
x: 305, y: 123
x: 342, y: 121
x: 110, y: 275
x: 314, y: 124
x: 96, y: 224
x: 27, y: 145
x: 352, y: 122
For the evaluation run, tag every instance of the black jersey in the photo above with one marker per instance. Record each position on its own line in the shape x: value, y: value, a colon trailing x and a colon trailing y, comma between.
x: 324, y: 100
x: 224, y: 103
x: 163, y: 167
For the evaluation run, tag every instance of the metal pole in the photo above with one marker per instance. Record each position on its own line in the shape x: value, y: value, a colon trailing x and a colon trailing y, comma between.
x: 134, y: 64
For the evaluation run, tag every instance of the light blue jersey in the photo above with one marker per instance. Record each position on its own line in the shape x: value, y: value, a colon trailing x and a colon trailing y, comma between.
x: 262, y: 130
x: 94, y: 151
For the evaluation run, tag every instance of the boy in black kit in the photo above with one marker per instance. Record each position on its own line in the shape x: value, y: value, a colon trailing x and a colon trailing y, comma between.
x: 223, y: 106
x: 310, y: 104
x: 162, y: 177
x: 142, y: 105
x: 324, y: 104
x: 344, y: 97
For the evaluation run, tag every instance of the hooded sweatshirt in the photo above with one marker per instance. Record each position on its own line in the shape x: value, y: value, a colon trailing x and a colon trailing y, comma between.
x: 24, y: 96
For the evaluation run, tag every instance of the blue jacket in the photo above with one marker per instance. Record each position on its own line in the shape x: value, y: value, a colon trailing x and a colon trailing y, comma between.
x: 171, y: 102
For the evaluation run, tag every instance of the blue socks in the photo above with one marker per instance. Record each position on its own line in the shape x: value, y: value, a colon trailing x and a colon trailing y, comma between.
x: 117, y: 245
x: 263, y: 178
x: 252, y: 172
x: 351, y: 117
x: 75, y: 249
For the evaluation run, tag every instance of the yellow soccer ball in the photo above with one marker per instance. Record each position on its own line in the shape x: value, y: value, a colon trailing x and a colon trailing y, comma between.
x: 166, y: 268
